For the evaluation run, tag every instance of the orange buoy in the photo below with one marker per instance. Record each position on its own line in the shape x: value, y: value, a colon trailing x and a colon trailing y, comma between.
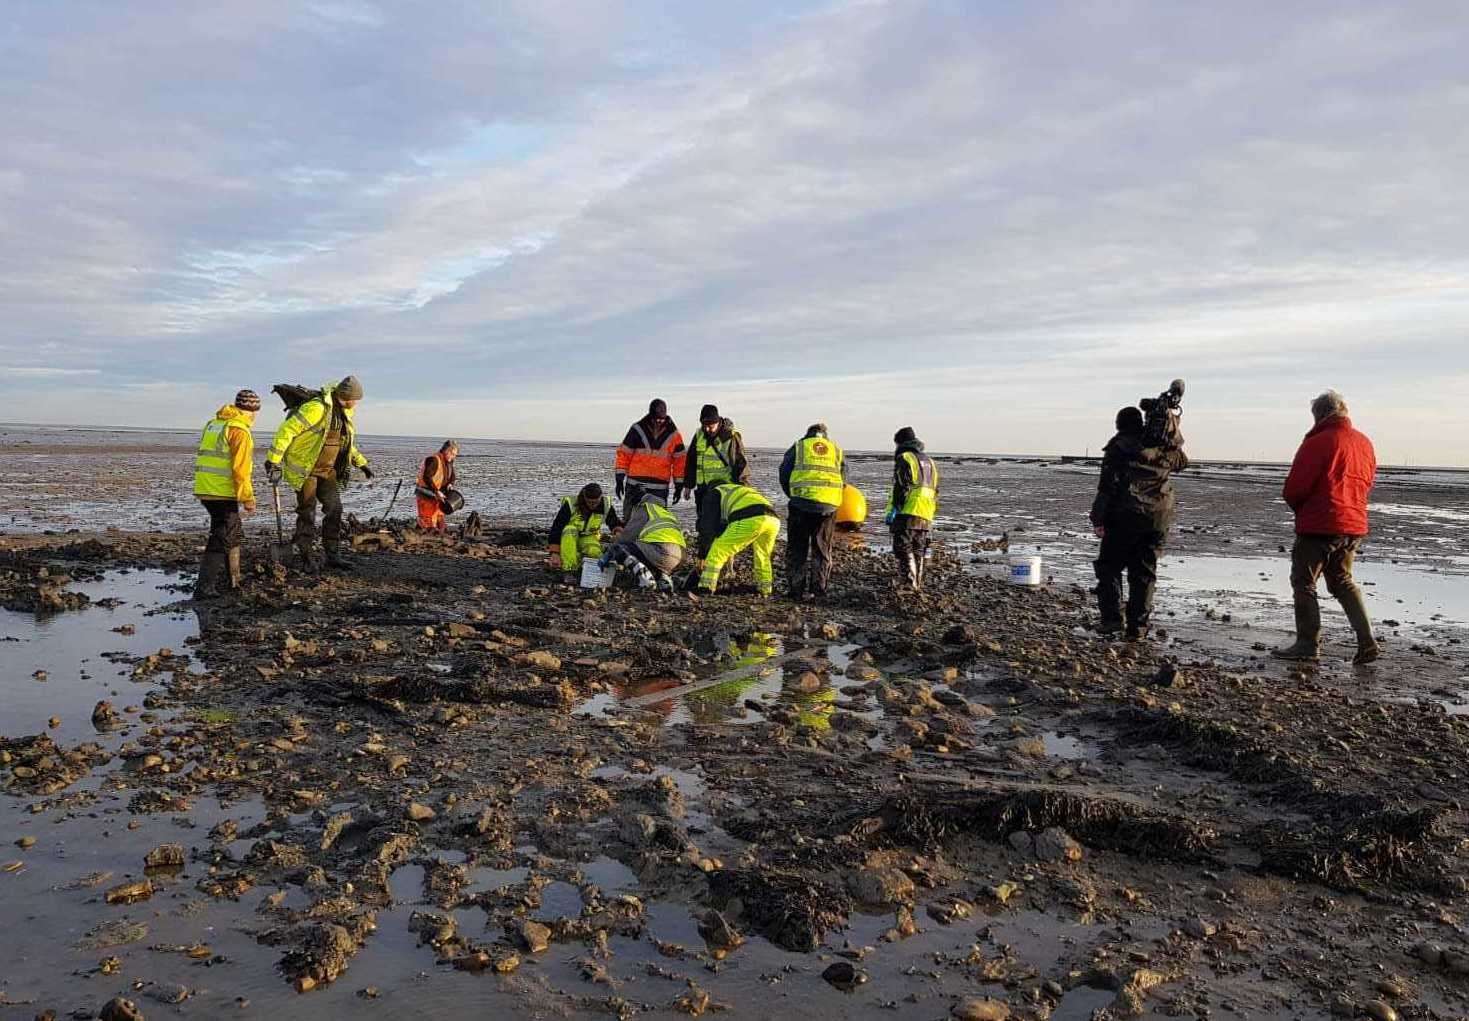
x: 853, y: 512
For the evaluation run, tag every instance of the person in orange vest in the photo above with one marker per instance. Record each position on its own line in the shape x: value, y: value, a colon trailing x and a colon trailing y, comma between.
x: 650, y: 459
x: 435, y: 476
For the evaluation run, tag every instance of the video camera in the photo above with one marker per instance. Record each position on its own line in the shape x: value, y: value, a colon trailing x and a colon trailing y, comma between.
x: 1161, y: 415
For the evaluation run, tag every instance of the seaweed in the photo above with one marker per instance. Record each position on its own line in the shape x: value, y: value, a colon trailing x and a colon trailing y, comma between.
x: 1392, y: 848
x: 793, y: 912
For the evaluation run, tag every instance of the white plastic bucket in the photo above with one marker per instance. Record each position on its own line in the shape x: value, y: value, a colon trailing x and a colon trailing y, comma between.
x: 1025, y: 570
x: 592, y: 575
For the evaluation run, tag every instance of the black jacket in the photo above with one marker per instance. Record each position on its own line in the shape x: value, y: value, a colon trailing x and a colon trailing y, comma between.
x: 563, y: 518
x: 739, y: 465
x: 1136, y: 487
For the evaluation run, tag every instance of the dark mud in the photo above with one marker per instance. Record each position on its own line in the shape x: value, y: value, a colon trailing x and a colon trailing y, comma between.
x: 444, y: 784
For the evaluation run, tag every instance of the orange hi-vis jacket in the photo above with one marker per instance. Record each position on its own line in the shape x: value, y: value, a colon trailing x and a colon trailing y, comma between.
x: 434, y: 476
x: 641, y: 461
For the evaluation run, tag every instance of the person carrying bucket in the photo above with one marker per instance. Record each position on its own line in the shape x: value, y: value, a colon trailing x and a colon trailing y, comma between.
x: 1132, y: 513
x: 576, y: 531
x: 912, y: 507
x: 435, y: 478
x: 813, y: 475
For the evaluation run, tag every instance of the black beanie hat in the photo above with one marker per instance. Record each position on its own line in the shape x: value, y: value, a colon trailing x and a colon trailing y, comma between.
x: 591, y: 492
x: 905, y: 435
x: 708, y: 413
x: 1129, y: 420
x: 657, y: 406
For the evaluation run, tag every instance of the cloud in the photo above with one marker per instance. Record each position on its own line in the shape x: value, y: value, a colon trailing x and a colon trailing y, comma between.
x: 994, y: 223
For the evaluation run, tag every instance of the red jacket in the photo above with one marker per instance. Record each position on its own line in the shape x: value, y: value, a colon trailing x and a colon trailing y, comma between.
x: 1330, y: 478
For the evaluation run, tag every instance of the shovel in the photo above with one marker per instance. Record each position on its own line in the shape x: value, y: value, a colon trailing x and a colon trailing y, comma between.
x: 279, y: 551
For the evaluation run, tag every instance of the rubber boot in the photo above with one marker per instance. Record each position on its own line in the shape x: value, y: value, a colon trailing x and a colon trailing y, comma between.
x: 1307, y: 645
x: 213, y: 575
x: 907, y: 574
x: 334, y: 558
x: 919, y: 563
x: 233, y: 558
x: 1356, y: 610
x: 305, y: 549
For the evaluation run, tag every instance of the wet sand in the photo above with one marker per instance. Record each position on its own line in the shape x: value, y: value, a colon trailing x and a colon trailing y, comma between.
x: 391, y: 788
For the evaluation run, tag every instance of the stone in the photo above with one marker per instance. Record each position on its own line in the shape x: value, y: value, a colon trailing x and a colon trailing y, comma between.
x: 26, y: 843
x: 543, y: 661
x: 716, y: 931
x: 105, y: 717
x: 880, y: 886
x: 1022, y: 842
x: 120, y: 1009
x: 1200, y: 928
x: 1379, y: 1010
x: 164, y: 856
x: 507, y: 963
x: 1430, y: 954
x: 1055, y: 844
x: 532, y: 936
x: 844, y: 975
x: 981, y: 1009
x: 418, y: 812
x: 808, y: 681
x: 129, y: 893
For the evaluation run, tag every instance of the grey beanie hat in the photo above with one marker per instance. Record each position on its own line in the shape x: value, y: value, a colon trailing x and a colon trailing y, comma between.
x: 350, y: 389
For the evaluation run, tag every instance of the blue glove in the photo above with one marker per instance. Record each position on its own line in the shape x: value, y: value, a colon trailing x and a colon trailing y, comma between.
x: 890, y: 516
x: 604, y: 560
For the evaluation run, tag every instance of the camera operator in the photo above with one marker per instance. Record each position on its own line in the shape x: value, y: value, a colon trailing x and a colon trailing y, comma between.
x: 1134, y: 510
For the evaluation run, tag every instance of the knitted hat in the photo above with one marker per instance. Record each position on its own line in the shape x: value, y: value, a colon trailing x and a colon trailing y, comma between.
x: 905, y: 435
x: 350, y: 389
x: 816, y: 429
x: 1129, y: 420
x: 708, y: 413
x: 657, y: 407
x: 247, y: 400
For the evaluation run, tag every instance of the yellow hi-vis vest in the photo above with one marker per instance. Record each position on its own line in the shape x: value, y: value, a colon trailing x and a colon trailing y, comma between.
x: 735, y: 497
x: 585, y: 526
x: 712, y: 461
x: 214, y: 473
x: 662, y: 526
x: 299, y: 439
x: 922, y: 500
x: 817, y: 472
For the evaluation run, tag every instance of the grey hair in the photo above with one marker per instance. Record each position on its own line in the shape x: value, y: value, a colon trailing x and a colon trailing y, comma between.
x: 1328, y: 405
x: 448, y: 446
x: 816, y: 429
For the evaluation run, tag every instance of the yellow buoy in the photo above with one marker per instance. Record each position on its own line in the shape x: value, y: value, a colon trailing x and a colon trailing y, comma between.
x: 853, y: 511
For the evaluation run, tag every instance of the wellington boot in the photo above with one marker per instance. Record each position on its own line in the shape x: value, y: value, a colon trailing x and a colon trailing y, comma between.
x: 334, y: 558
x: 1307, y: 645
x: 1356, y: 611
x: 213, y: 576
x: 235, y: 572
x: 305, y: 550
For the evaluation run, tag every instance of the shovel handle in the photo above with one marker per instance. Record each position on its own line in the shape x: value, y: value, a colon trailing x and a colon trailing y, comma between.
x: 275, y: 498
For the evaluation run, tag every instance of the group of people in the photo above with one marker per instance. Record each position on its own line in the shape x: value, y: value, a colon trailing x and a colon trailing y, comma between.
x: 315, y: 450
x: 654, y: 468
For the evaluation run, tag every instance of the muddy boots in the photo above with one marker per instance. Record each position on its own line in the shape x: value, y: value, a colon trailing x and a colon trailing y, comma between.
x: 907, y: 573
x: 1307, y: 645
x: 919, y: 562
x: 1356, y: 610
x: 306, y: 550
x: 334, y: 558
x: 214, y: 573
x: 233, y: 559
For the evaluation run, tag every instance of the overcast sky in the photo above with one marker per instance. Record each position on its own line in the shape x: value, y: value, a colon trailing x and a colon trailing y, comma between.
x: 996, y: 222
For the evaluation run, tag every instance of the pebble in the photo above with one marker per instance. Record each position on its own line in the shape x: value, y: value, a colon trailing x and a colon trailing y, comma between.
x: 419, y: 812
x: 25, y: 843
x: 1379, y: 1011
x: 977, y: 1009
x: 120, y: 1009
x: 1200, y: 928
x: 844, y: 976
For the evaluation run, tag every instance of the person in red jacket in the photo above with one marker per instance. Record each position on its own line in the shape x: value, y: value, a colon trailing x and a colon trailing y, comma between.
x: 1327, y: 488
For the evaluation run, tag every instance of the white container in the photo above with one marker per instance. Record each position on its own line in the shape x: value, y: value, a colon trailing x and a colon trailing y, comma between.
x: 1025, y: 570
x: 592, y: 575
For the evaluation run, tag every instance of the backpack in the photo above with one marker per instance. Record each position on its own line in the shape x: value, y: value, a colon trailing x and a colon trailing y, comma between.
x: 293, y: 395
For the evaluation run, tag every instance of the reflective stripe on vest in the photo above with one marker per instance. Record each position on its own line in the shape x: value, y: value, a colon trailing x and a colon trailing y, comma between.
x: 213, y: 472
x: 817, y: 472
x: 586, y: 526
x: 299, y: 458
x: 662, y: 526
x: 649, y: 462
x: 922, y: 501
x: 712, y: 462
x: 735, y: 497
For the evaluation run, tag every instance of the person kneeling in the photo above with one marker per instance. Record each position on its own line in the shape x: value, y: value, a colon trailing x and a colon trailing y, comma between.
x: 576, y: 532
x: 738, y: 516
x: 651, y: 545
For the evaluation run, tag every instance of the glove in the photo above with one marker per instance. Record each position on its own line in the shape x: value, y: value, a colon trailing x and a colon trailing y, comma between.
x: 367, y: 473
x: 677, y: 493
x: 248, y: 506
x: 890, y: 516
x: 272, y: 472
x: 604, y: 560
x: 621, y: 487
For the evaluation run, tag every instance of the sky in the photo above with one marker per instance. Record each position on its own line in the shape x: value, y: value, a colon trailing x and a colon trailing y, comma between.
x: 994, y: 222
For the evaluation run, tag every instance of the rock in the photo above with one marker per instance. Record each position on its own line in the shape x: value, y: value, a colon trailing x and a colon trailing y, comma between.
x: 1200, y: 928
x: 1022, y: 842
x: 844, y: 975
x: 164, y: 856
x: 119, y: 1009
x: 542, y: 661
x: 862, y: 672
x: 458, y: 630
x: 1055, y: 844
x: 1430, y: 954
x: 532, y: 936
x: 880, y: 886
x: 507, y: 963
x: 26, y: 843
x: 418, y: 812
x: 719, y: 934
x: 105, y: 717
x: 981, y: 1009
x: 129, y: 893
x: 808, y: 681
x: 947, y: 912
x: 1379, y: 1010
x: 169, y: 992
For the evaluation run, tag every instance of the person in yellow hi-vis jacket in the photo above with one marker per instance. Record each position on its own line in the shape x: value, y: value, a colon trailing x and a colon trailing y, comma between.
x: 576, y: 531
x: 314, y: 450
x: 222, y: 482
x: 738, y: 516
x: 912, y: 507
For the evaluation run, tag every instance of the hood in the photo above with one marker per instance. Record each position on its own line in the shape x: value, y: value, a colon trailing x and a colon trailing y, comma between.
x: 916, y: 446
x: 726, y: 428
x: 647, y: 423
x: 230, y: 413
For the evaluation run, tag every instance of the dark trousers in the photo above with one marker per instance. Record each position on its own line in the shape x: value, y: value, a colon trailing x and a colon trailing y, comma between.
x: 328, y: 493
x: 808, y: 550
x: 225, y: 530
x: 706, y: 526
x: 910, y: 546
x: 1133, y: 549
x: 1314, y: 556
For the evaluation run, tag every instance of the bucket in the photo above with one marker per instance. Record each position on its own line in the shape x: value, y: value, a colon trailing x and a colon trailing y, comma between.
x: 592, y: 575
x: 1025, y: 570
